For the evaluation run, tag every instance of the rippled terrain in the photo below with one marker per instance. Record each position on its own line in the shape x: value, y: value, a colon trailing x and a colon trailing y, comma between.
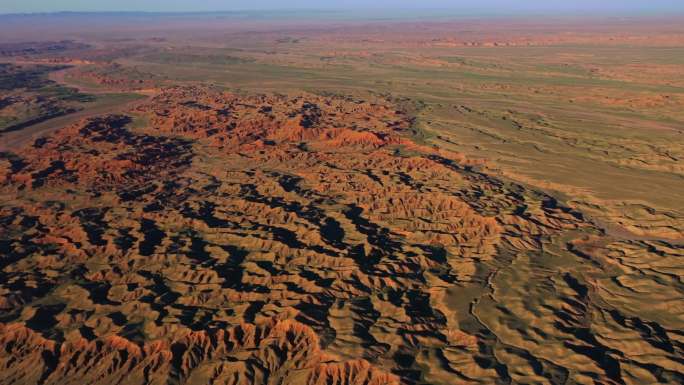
x: 196, y: 233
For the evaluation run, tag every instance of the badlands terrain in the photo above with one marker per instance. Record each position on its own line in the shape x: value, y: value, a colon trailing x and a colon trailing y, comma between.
x: 219, y: 200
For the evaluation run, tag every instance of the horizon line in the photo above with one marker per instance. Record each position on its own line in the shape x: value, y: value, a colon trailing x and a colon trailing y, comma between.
x: 465, y: 12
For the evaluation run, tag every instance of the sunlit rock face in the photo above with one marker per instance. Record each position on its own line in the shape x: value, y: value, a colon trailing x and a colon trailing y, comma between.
x: 206, y: 237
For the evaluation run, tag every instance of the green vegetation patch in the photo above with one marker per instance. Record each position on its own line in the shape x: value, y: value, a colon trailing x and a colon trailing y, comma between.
x: 188, y: 58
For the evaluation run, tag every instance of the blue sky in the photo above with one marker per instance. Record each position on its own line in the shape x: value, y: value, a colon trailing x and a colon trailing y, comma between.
x: 496, y: 6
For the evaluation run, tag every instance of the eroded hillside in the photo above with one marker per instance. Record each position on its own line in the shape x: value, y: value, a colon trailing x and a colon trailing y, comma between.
x: 206, y: 237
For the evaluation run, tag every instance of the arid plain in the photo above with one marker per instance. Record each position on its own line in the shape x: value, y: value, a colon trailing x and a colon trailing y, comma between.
x: 205, y: 199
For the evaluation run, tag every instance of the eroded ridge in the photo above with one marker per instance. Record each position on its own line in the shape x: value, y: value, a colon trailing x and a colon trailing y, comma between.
x: 307, y: 240
x: 249, y: 122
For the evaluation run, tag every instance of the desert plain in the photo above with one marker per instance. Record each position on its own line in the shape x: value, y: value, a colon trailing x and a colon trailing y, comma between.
x: 228, y: 199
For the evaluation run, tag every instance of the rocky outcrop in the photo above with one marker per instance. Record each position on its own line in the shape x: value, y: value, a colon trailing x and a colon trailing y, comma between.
x: 306, y: 240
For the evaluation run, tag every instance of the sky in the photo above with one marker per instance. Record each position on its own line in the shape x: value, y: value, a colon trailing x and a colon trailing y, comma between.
x: 495, y: 6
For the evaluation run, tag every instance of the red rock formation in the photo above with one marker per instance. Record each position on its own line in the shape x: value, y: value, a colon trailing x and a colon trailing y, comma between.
x: 259, y: 240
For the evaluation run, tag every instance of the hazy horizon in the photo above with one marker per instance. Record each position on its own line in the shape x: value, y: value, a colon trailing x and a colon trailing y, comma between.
x: 381, y: 6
